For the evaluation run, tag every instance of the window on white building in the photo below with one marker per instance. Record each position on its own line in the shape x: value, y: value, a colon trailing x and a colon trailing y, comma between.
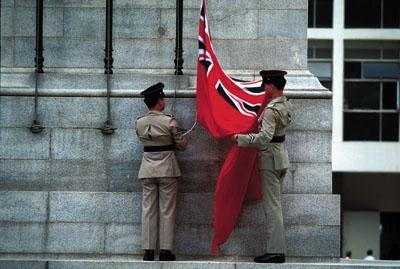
x: 320, y: 13
x: 320, y: 61
x: 371, y: 91
x: 372, y: 14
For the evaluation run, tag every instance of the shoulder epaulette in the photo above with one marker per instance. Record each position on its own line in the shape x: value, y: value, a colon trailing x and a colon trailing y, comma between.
x: 169, y: 115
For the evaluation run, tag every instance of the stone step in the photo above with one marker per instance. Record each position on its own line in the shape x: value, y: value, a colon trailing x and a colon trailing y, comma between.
x: 95, y: 84
x: 73, y: 222
x: 182, y: 262
x: 70, y: 82
x: 125, y: 207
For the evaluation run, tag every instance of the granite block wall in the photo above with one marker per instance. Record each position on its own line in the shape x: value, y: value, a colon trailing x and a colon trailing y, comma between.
x: 261, y: 34
x: 72, y: 190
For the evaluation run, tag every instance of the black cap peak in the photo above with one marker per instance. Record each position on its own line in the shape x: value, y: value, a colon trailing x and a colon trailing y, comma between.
x: 154, y: 90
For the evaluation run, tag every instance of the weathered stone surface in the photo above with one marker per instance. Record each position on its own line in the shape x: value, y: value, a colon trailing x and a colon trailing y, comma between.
x: 282, y: 23
x: 84, y: 23
x: 19, y: 175
x: 88, y: 144
x: 17, y: 79
x: 23, y: 206
x: 61, y: 53
x: 240, y: 24
x: 308, y: 178
x: 7, y: 51
x: 75, y: 238
x: 123, y: 176
x: 265, y: 53
x: 123, y: 238
x: 249, y: 240
x: 144, y: 53
x: 36, y: 175
x: 311, y: 114
x: 309, y: 146
x: 17, y: 111
x: 283, y: 4
x: 95, y: 207
x: 313, y: 241
x: 17, y: 264
x: 25, y: 24
x: 20, y: 143
x: 7, y: 18
x: 7, y: 3
x: 22, y: 237
x: 136, y: 23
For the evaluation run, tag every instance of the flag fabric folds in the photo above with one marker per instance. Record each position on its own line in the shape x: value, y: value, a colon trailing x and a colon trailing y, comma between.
x: 226, y: 106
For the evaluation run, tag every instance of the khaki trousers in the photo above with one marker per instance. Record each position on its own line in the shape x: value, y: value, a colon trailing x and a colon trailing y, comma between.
x: 272, y: 204
x: 158, y: 206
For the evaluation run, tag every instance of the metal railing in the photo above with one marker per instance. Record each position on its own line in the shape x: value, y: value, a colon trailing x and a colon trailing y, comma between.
x: 178, y: 40
x: 108, y: 129
x: 36, y: 127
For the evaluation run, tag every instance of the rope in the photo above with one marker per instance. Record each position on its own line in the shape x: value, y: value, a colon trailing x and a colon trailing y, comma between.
x: 173, y: 108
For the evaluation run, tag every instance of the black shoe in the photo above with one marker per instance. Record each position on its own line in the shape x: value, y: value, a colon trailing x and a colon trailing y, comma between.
x: 166, y: 255
x: 270, y: 258
x: 148, y: 255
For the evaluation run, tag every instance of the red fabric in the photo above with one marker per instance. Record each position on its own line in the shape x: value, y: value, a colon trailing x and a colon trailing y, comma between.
x: 227, y: 106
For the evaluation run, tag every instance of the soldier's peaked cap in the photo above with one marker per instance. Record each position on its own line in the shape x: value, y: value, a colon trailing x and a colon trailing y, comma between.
x: 270, y: 76
x: 154, y: 90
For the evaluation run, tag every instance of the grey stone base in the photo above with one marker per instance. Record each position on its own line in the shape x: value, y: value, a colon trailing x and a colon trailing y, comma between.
x: 71, y: 190
x: 183, y: 263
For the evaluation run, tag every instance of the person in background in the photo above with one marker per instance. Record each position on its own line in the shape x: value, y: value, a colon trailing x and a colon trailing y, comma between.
x: 370, y: 255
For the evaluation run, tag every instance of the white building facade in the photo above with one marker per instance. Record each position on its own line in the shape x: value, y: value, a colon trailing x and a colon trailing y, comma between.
x: 354, y: 49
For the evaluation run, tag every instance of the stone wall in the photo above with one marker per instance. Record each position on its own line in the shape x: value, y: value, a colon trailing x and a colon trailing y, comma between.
x: 247, y: 34
x: 71, y: 190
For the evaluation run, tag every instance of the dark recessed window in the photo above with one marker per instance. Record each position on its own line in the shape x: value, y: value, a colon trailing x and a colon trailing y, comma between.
x: 325, y: 53
x: 320, y: 61
x: 389, y: 95
x: 363, y: 14
x: 361, y: 127
x: 320, y: 13
x: 371, y: 91
x: 310, y: 53
x: 327, y: 84
x: 362, y: 53
x: 310, y: 13
x: 391, y: 53
x: 381, y: 70
x: 352, y: 70
x: 390, y: 127
x: 391, y: 14
x: 324, y: 13
x: 372, y: 14
x: 361, y: 95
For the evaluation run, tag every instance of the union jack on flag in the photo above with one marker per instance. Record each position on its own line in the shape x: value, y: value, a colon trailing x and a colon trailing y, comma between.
x: 226, y: 106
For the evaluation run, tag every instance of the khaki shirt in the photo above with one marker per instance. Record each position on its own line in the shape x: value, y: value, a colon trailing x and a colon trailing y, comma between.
x: 275, y: 119
x: 159, y: 129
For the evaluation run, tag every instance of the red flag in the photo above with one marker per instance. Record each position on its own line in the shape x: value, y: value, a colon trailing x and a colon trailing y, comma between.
x: 226, y: 106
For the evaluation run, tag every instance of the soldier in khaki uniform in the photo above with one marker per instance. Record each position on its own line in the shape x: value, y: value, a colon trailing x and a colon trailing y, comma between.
x: 273, y: 160
x: 159, y: 172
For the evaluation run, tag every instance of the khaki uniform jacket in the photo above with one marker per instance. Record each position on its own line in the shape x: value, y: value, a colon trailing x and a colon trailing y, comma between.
x: 275, y: 119
x: 159, y: 129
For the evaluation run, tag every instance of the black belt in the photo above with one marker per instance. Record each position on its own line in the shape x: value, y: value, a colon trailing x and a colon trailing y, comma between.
x: 158, y: 148
x: 278, y: 139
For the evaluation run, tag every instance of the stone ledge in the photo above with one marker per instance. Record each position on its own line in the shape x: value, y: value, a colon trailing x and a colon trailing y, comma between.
x: 301, y: 84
